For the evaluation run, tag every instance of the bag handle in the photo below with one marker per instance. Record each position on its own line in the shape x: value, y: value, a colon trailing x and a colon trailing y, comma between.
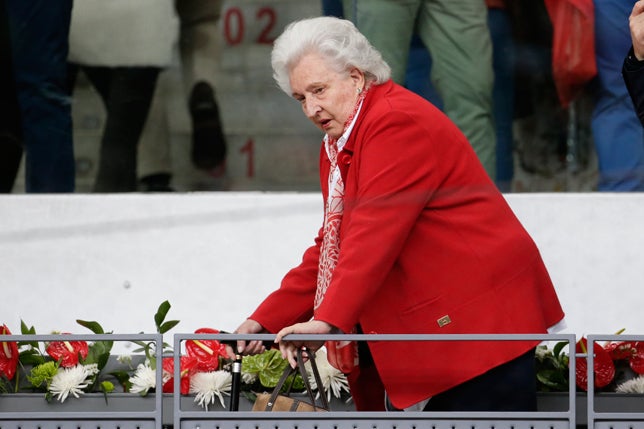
x: 302, y: 370
x: 316, y: 377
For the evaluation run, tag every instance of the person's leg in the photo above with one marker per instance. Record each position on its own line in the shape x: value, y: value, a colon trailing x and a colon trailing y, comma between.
x: 127, y: 93
x: 39, y: 36
x: 199, y: 43
x: 332, y: 8
x: 389, y: 26
x: 419, y: 69
x: 457, y: 35
x: 508, y: 387
x: 10, y: 129
x: 617, y: 132
x: 154, y: 158
x: 503, y: 95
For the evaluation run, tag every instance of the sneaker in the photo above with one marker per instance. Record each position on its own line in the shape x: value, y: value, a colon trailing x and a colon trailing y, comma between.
x: 159, y: 182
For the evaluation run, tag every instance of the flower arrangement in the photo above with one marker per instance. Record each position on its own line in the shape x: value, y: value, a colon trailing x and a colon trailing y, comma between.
x: 618, y: 366
x: 61, y: 369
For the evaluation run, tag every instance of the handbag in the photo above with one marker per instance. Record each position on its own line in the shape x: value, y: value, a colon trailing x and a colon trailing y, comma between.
x: 277, y: 401
x: 573, y: 50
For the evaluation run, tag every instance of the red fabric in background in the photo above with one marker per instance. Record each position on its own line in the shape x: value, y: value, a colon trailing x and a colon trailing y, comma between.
x: 573, y: 46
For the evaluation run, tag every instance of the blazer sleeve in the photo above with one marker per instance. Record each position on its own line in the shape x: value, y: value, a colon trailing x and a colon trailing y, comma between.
x: 293, y: 301
x: 633, y: 73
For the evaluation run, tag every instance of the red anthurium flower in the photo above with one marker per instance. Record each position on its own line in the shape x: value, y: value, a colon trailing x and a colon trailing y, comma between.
x: 636, y: 360
x: 8, y: 355
x: 188, y: 364
x: 206, y: 352
x: 620, y: 350
x: 604, y: 368
x: 68, y: 353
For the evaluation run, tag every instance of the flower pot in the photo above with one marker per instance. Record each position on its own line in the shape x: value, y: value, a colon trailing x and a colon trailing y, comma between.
x: 605, y: 402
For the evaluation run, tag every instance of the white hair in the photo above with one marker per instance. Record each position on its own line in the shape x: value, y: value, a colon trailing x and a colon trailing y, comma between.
x: 337, y: 40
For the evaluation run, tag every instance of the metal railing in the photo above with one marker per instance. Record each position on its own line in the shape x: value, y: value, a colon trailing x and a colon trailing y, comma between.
x: 184, y: 419
x: 179, y: 411
x: 14, y: 415
x: 628, y: 417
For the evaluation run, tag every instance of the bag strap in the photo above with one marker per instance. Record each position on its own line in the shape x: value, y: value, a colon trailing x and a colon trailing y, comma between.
x: 316, y: 376
x: 276, y: 390
x: 302, y: 370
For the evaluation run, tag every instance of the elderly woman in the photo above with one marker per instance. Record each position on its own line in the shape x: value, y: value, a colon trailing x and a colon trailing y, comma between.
x: 416, y: 239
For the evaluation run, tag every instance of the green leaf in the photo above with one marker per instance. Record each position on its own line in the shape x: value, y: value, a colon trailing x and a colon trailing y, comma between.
x: 559, y: 347
x: 162, y: 311
x: 554, y: 380
x: 123, y: 377
x: 95, y: 327
x: 268, y: 367
x: 31, y: 357
x: 165, y: 327
x: 99, y: 353
x: 26, y: 330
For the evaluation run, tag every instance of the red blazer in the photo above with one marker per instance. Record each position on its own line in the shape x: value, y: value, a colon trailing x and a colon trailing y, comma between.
x: 428, y: 245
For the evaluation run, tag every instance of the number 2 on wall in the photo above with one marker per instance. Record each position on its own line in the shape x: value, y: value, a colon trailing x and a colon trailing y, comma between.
x: 235, y: 25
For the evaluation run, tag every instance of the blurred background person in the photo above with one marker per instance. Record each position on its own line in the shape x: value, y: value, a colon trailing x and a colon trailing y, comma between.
x: 200, y: 51
x: 617, y: 131
x: 457, y: 35
x: 200, y: 48
x: 39, y: 32
x: 633, y: 67
x: 10, y: 125
x: 121, y: 46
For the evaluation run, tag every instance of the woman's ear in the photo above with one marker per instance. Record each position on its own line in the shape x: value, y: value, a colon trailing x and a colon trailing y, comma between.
x: 358, y: 78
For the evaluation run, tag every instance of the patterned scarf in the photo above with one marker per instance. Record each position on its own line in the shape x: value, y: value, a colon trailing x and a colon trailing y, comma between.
x: 343, y: 355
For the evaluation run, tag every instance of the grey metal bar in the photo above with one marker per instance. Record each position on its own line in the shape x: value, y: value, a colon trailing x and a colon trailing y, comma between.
x: 39, y: 418
x: 374, y: 420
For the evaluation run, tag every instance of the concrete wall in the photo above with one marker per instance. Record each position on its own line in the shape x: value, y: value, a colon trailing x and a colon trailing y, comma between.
x: 214, y: 256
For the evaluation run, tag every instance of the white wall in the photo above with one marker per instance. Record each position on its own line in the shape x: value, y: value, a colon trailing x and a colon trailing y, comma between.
x: 214, y: 256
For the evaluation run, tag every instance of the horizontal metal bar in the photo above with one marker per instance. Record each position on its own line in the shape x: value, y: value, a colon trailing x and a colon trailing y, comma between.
x: 382, y: 337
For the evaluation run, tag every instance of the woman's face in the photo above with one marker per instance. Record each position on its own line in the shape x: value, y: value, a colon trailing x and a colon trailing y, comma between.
x: 328, y: 98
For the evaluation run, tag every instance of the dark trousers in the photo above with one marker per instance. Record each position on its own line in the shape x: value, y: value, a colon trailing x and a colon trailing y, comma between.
x: 39, y: 44
x: 10, y: 124
x: 508, y: 387
x: 127, y: 94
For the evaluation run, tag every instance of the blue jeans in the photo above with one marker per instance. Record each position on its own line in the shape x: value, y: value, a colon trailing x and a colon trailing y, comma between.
x: 39, y: 38
x: 617, y: 132
x: 503, y: 95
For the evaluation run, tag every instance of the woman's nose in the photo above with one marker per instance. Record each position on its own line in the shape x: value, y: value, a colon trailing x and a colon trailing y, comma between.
x: 311, y: 109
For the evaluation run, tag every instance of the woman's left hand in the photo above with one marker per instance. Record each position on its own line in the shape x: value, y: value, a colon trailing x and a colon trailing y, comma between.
x: 289, y: 348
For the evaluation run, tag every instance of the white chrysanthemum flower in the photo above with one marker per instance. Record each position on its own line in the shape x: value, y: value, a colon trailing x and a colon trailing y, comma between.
x: 72, y: 380
x: 207, y: 385
x: 249, y: 377
x: 634, y: 385
x: 144, y: 379
x: 333, y: 380
x: 541, y: 352
x: 124, y: 359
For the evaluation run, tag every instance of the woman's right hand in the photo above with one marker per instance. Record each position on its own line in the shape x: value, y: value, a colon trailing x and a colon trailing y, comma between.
x: 250, y: 326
